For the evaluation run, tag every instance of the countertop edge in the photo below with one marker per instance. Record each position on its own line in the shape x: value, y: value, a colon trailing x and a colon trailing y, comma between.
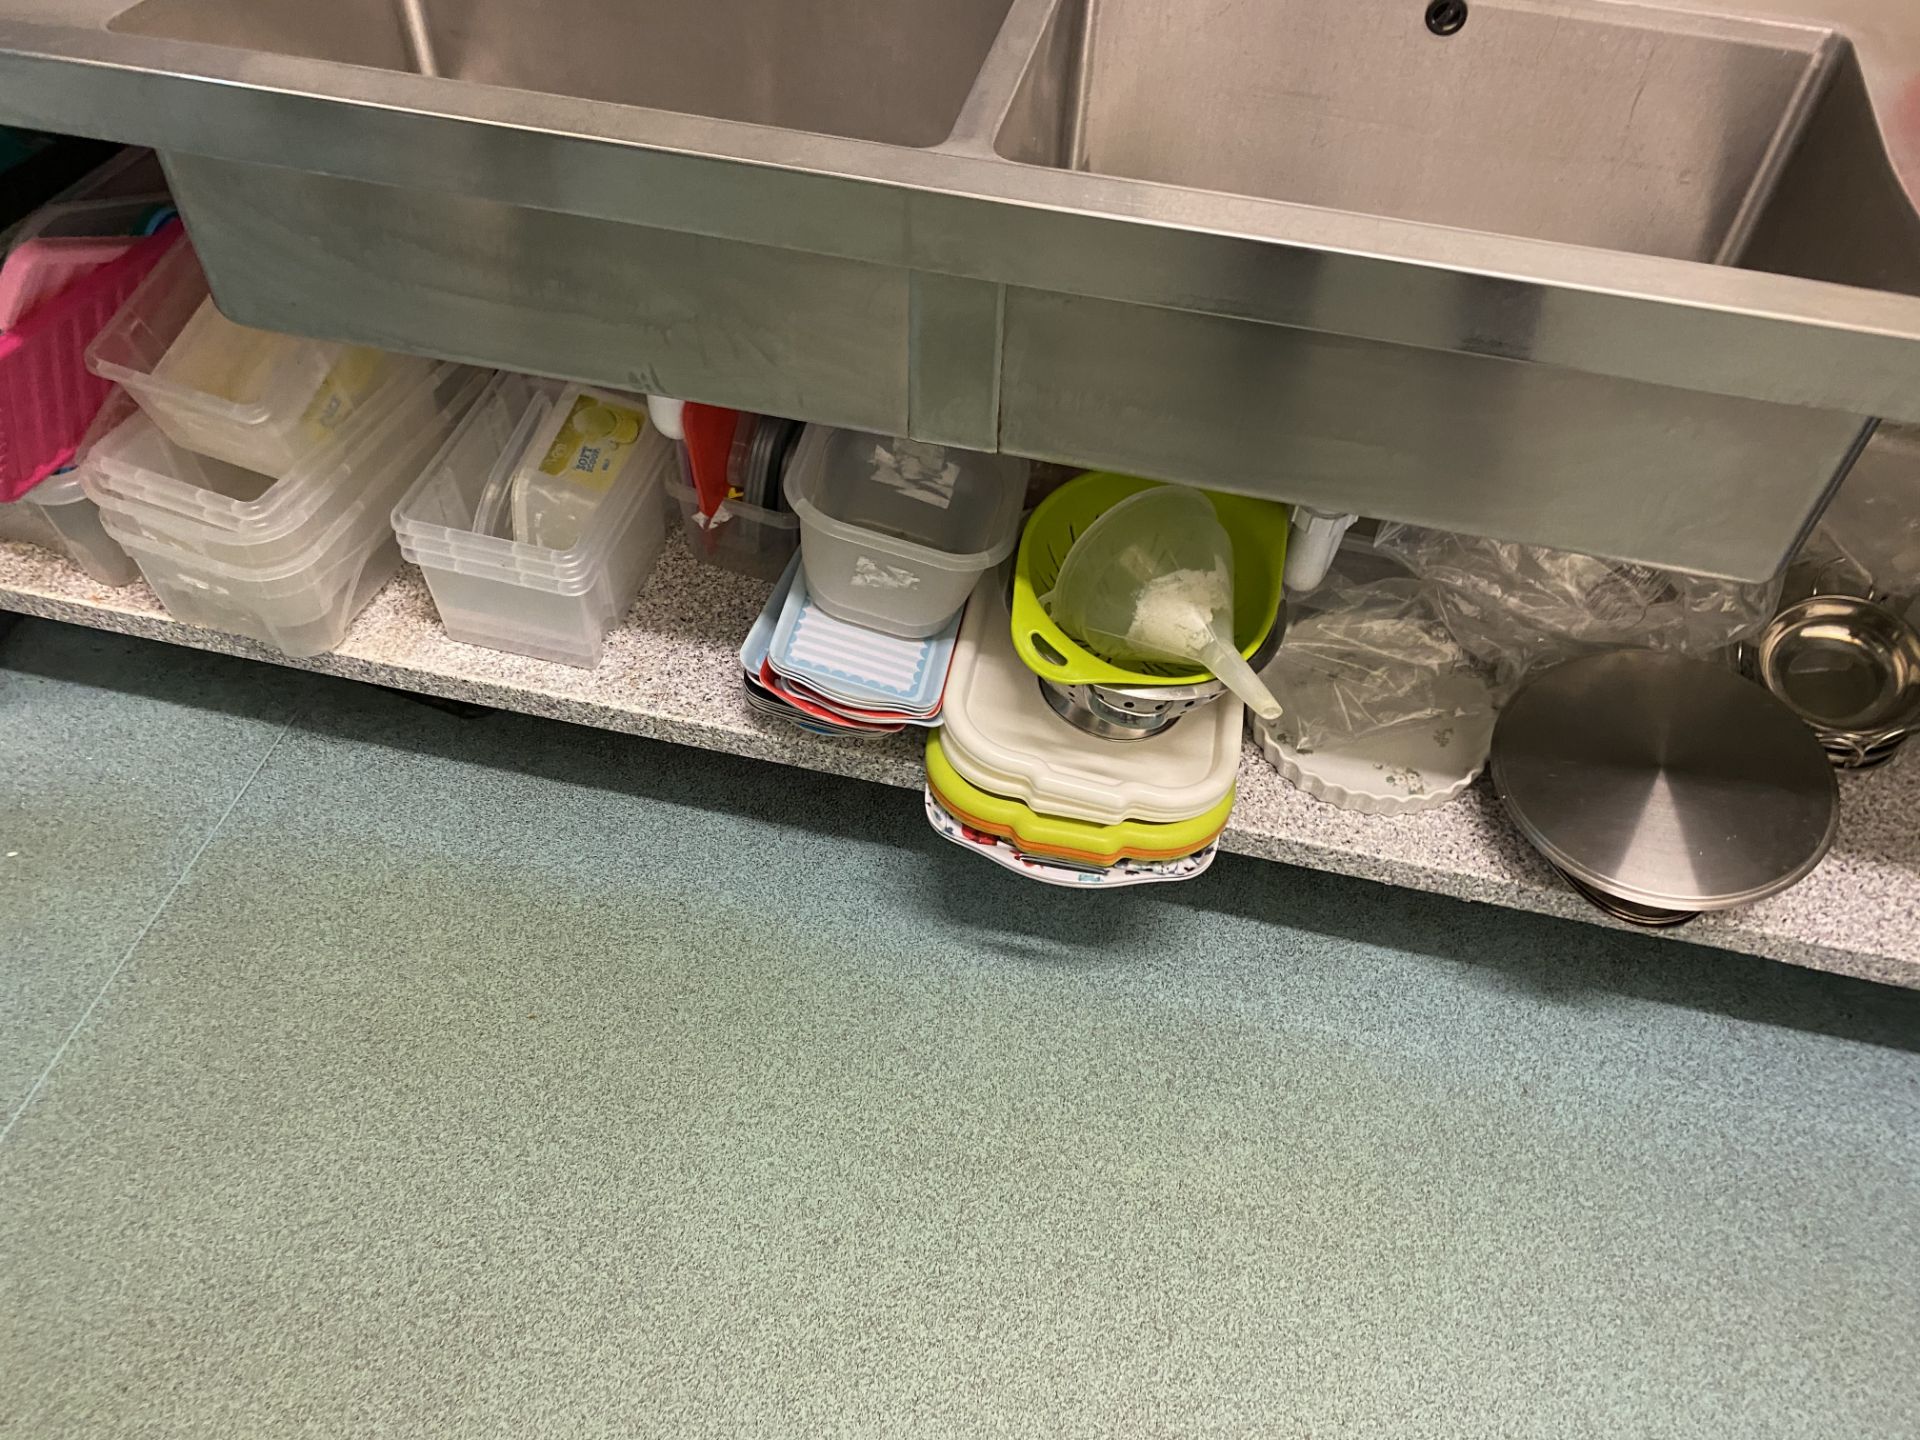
x: 669, y: 675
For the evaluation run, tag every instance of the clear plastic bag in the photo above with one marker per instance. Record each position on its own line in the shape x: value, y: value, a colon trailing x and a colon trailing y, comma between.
x: 1362, y: 659
x: 1514, y: 608
x: 1821, y: 567
x: 1874, y: 520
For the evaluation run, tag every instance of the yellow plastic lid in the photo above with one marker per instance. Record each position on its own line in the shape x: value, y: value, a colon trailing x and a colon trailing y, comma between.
x: 1079, y: 840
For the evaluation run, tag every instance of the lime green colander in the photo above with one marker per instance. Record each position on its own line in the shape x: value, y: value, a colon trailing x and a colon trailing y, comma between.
x: 1259, y: 531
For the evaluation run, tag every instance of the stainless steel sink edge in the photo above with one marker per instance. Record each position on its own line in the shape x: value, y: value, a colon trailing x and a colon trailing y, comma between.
x: 998, y: 83
x: 985, y: 218
x: 984, y: 284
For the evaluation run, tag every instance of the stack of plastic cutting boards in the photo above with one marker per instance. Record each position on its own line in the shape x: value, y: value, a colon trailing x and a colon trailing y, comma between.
x: 831, y: 677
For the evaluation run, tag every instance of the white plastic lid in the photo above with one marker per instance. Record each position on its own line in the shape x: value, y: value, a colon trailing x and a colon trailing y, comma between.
x: 1001, y: 735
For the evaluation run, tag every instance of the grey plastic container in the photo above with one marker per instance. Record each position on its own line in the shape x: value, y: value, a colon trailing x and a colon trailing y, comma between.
x: 894, y: 533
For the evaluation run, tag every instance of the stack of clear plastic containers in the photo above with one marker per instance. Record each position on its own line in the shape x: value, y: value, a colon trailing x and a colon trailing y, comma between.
x: 289, y: 562
x: 252, y: 486
x: 493, y: 590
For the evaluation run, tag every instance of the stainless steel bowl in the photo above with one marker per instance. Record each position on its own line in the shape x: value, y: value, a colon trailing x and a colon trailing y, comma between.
x: 1850, y: 669
x: 1135, y: 712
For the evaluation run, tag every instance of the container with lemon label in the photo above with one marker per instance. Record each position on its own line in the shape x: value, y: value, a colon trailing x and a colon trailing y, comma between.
x: 353, y: 377
x: 290, y: 395
x: 572, y: 462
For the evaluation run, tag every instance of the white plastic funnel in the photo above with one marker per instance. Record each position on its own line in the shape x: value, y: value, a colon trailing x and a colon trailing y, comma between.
x: 1152, y: 581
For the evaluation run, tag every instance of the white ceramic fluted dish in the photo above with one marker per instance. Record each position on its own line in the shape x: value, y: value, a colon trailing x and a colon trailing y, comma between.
x: 1399, y: 771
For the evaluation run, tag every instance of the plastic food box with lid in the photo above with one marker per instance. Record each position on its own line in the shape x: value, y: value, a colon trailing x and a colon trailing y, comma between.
x: 289, y: 562
x: 503, y: 594
x: 894, y: 533
x: 263, y: 401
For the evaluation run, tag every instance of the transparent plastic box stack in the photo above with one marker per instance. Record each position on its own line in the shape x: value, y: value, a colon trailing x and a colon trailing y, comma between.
x: 254, y: 483
x: 503, y: 594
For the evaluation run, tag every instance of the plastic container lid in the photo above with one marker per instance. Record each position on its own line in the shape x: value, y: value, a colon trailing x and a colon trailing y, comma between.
x: 1003, y: 737
x: 1077, y: 840
x: 490, y: 511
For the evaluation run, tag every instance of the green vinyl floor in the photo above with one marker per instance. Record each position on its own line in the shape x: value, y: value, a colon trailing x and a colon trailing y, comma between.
x: 370, y: 1071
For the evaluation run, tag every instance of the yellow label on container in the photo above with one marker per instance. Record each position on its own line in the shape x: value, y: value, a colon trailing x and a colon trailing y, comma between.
x: 594, y: 443
x: 354, y: 376
x: 216, y: 357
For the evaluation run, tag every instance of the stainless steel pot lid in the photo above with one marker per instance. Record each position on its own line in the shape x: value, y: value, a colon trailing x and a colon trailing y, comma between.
x: 1664, y: 782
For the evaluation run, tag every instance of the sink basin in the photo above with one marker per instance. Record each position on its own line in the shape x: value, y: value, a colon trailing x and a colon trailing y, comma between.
x: 1597, y: 125
x: 1632, y: 277
x: 896, y: 72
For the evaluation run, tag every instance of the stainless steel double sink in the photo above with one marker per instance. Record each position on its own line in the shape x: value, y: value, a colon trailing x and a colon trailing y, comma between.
x: 1637, y: 279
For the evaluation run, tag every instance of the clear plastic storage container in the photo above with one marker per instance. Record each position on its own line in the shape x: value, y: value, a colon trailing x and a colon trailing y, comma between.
x: 502, y: 594
x: 262, y: 401
x: 57, y: 515
x: 749, y: 534
x: 303, y: 608
x: 287, y: 562
x: 746, y: 539
x: 237, y: 515
x: 894, y: 533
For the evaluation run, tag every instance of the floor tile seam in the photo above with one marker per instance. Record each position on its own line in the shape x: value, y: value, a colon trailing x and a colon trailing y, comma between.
x: 139, y: 939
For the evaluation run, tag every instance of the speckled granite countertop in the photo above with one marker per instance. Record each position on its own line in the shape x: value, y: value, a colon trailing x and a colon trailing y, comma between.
x: 672, y: 674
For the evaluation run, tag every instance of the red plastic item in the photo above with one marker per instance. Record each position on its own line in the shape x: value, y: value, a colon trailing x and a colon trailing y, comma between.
x: 48, y: 397
x: 709, y: 430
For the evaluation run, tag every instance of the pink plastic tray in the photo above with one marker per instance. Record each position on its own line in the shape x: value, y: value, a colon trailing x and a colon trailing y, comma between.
x: 37, y: 271
x: 48, y: 397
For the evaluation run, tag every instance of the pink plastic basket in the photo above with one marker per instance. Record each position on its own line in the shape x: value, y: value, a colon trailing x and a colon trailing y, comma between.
x: 48, y: 397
